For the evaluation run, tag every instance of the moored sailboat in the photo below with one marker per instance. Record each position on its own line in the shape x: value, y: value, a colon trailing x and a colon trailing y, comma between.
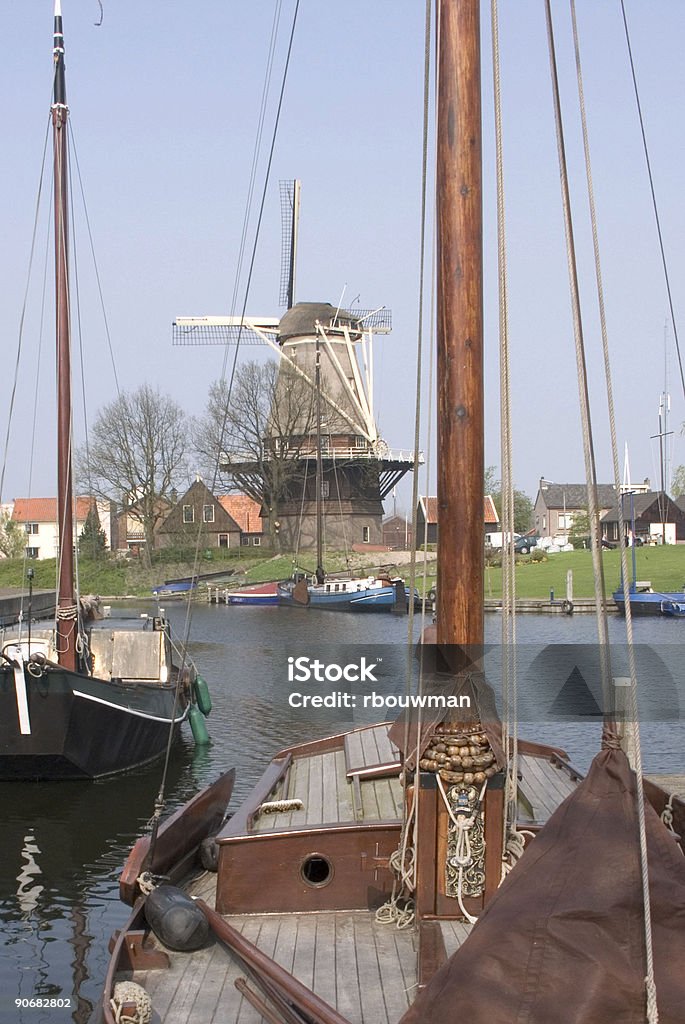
x: 81, y: 701
x: 344, y: 838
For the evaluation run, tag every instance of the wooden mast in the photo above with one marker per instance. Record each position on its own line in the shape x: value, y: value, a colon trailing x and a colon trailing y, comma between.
x: 440, y: 892
x: 320, y: 573
x: 66, y: 611
x: 460, y: 328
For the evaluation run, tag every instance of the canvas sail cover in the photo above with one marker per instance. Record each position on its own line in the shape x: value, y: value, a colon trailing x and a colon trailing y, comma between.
x: 563, y: 939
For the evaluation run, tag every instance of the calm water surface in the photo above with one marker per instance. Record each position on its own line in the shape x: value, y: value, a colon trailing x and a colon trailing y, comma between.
x: 63, y: 844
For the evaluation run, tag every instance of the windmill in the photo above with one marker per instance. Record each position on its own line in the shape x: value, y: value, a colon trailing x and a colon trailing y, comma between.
x: 357, y: 468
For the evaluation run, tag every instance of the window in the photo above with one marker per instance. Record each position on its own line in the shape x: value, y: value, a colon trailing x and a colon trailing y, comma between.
x: 325, y: 489
x: 188, y: 513
x: 256, y: 541
x: 366, y: 533
x: 31, y: 528
x: 32, y: 552
x: 325, y: 442
x: 565, y: 520
x: 359, y: 441
x: 207, y: 513
x: 244, y: 541
x: 223, y: 540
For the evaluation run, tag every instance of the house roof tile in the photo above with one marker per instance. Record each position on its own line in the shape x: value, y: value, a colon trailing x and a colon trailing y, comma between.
x: 430, y: 506
x: 574, y: 496
x: 44, y: 510
x: 244, y: 510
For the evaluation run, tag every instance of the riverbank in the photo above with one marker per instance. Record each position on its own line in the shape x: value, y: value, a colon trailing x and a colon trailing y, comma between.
x: 544, y: 581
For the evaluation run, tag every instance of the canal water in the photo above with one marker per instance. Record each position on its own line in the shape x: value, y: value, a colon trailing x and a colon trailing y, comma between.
x: 63, y: 844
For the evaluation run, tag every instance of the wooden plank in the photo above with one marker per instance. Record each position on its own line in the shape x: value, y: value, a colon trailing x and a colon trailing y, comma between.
x: 368, y: 974
x: 354, y: 755
x: 395, y: 950
x: 330, y: 811
x: 549, y: 795
x: 432, y: 954
x: 239, y: 824
x: 369, y: 795
x: 305, y: 950
x: 314, y: 802
x: 348, y: 995
x: 325, y: 960
x: 370, y: 747
x: 454, y: 933
x: 196, y: 996
x: 534, y: 786
x: 345, y: 807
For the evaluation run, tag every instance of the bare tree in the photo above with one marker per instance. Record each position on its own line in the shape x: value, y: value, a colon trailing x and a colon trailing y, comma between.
x: 138, y: 447
x: 260, y: 432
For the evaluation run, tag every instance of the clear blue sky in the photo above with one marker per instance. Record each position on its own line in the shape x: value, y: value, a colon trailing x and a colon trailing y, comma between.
x: 164, y: 99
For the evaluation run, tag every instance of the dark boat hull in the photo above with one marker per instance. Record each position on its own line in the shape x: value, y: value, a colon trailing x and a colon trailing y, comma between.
x: 649, y: 603
x: 79, y: 727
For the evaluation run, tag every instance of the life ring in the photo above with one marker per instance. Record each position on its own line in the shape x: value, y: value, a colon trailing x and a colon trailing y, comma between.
x: 567, y: 607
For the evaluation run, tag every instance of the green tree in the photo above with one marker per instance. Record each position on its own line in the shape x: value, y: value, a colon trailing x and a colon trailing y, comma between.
x: 92, y: 542
x: 523, y: 506
x: 12, y: 537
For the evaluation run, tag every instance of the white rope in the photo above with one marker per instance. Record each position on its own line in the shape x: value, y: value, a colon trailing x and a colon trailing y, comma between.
x: 463, y: 823
x: 274, y: 806
x: 400, y: 910
x: 130, y: 992
x: 650, y: 986
x: 509, y: 681
x: 667, y: 815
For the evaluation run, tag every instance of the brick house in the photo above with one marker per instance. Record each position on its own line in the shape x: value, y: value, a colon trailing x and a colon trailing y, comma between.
x: 427, y: 519
x: 198, y: 509
x: 557, y: 504
x: 247, y: 513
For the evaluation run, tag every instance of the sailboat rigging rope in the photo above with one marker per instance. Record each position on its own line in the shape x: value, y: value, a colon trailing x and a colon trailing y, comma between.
x: 654, y: 203
x: 583, y: 394
x: 22, y: 318
x: 652, y: 1009
x: 509, y: 682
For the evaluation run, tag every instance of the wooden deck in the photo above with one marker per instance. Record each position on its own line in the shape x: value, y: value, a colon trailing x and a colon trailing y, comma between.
x: 543, y: 786
x: 367, y: 971
x: 357, y: 782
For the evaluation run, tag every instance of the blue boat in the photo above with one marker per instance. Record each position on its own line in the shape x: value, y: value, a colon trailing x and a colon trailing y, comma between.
x: 645, y: 601
x: 371, y: 593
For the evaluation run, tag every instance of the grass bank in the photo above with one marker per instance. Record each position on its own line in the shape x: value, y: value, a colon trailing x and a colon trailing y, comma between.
x: 663, y: 566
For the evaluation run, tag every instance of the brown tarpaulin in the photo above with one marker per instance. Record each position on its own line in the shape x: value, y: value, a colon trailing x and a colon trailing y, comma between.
x: 562, y: 941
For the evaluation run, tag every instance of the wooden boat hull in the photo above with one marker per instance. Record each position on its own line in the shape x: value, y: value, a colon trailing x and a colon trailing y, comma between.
x: 283, y: 929
x: 63, y: 725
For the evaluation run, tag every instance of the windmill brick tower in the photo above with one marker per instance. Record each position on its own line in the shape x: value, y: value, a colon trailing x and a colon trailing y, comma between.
x: 326, y: 366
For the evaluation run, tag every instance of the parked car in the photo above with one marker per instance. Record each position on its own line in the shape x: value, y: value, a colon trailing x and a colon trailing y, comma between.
x: 525, y: 544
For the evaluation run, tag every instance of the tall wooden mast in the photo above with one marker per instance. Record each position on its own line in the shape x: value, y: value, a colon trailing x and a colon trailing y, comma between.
x: 460, y: 327
x: 66, y: 612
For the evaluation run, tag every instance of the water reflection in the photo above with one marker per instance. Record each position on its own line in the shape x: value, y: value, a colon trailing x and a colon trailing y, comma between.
x: 63, y: 844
